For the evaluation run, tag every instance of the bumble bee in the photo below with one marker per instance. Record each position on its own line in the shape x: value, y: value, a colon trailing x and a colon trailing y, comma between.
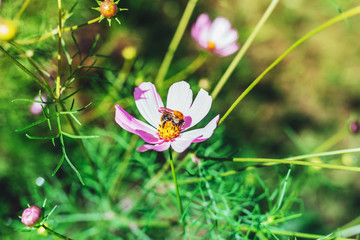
x: 168, y: 115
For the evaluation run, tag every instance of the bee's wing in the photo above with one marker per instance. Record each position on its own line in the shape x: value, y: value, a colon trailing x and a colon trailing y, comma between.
x: 165, y: 110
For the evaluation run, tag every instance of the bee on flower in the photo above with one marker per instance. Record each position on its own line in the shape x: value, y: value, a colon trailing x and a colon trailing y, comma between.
x: 216, y: 37
x: 168, y: 126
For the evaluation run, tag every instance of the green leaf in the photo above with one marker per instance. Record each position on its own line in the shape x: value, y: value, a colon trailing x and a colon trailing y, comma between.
x: 78, y: 136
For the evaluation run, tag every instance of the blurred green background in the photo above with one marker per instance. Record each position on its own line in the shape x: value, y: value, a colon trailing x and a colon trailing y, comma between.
x: 309, y: 98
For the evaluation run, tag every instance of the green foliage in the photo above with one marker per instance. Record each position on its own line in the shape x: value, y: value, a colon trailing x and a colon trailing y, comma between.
x: 108, y: 190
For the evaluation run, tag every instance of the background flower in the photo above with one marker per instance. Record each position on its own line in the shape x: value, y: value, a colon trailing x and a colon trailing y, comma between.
x: 217, y: 37
x: 180, y: 98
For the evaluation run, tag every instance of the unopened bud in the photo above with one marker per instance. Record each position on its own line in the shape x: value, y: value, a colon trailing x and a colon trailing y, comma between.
x: 31, y: 216
x: 354, y: 127
x: 8, y: 30
x: 108, y: 9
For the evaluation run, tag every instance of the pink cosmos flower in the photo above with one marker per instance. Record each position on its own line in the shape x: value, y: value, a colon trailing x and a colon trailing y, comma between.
x: 168, y: 126
x: 35, y: 107
x: 31, y: 216
x: 217, y: 37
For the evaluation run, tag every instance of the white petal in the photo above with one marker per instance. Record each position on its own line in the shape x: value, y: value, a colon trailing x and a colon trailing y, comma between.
x: 206, y: 132
x: 148, y: 102
x: 218, y: 28
x: 199, y: 108
x: 179, y: 97
x: 226, y: 39
x: 182, y: 142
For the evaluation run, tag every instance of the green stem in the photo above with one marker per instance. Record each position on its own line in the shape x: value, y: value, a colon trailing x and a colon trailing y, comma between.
x: 55, y: 31
x: 55, y: 233
x: 82, y: 146
x: 198, y: 62
x: 37, y: 68
x: 58, y: 77
x: 347, y: 14
x: 23, y: 7
x: 243, y: 49
x: 175, y: 42
x: 120, y: 171
x: 329, y: 143
x: 23, y: 68
x: 292, y: 234
x: 176, y: 184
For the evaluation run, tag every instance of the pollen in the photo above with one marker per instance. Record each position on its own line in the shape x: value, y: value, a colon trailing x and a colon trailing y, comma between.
x: 211, y: 45
x: 168, y: 130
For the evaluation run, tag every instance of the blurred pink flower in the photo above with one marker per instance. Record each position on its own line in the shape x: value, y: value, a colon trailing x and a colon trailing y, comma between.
x: 35, y: 107
x: 217, y: 37
x: 168, y: 124
x: 31, y: 216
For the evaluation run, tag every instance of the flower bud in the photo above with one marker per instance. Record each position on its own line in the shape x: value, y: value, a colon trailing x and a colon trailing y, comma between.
x: 31, y: 216
x: 8, y: 30
x: 354, y: 127
x: 108, y: 9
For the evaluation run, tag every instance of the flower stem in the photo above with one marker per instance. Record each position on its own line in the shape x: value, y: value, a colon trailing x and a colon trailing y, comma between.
x: 55, y: 31
x: 37, y: 68
x: 293, y: 234
x: 196, y: 64
x: 176, y: 184
x: 121, y: 169
x: 243, y: 49
x: 347, y: 14
x: 175, y: 42
x: 23, y: 68
x: 23, y: 7
x: 55, y: 233
x: 59, y: 52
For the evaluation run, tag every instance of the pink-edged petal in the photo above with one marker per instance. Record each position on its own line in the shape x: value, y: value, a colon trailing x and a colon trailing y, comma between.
x: 227, y: 50
x: 219, y: 27
x: 207, y: 131
x: 183, y: 141
x: 148, y: 102
x: 202, y: 22
x: 200, y: 107
x: 157, y: 147
x: 133, y: 125
x: 179, y: 97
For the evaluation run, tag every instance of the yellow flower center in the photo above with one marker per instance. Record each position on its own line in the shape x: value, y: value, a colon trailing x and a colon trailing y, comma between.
x: 211, y: 45
x: 167, y: 130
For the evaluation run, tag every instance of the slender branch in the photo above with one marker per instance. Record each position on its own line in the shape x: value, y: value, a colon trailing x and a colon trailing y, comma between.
x: 243, y: 49
x: 292, y: 234
x: 175, y: 42
x: 23, y: 7
x: 37, y: 68
x: 58, y: 77
x: 347, y: 14
x: 23, y: 68
x: 56, y: 31
x: 55, y: 233
x: 198, y: 62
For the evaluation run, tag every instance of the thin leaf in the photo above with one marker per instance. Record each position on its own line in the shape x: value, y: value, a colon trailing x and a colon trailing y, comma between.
x: 59, y: 165
x: 75, y: 119
x: 42, y: 138
x: 78, y: 136
x: 35, y: 123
